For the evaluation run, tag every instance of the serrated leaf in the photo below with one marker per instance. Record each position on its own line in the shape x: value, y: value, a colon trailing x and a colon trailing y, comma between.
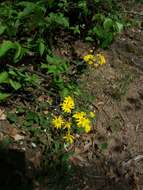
x: 5, y: 46
x: 16, y: 85
x: 3, y: 77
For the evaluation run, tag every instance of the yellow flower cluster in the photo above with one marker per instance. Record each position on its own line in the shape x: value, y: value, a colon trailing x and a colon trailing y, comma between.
x: 82, y: 121
x: 66, y: 124
x: 100, y: 59
x: 91, y: 59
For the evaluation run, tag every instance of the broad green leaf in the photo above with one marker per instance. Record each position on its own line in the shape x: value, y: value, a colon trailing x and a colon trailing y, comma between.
x: 52, y: 69
x: 3, y: 96
x: 108, y: 23
x: 65, y: 92
x: 5, y: 46
x: 16, y: 85
x: 3, y: 77
x: 119, y: 26
x: 41, y: 48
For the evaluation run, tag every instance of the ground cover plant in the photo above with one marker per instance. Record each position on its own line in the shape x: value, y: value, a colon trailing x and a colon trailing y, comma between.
x: 45, y: 83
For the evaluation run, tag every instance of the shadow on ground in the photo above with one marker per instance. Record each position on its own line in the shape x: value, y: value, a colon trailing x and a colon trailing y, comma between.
x: 15, y: 175
x: 13, y: 171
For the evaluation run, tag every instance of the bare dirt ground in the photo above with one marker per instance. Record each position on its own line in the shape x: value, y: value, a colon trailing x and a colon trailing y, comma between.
x: 118, y: 91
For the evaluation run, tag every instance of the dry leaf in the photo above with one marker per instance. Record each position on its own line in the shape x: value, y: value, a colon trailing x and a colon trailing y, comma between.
x: 36, y: 159
x: 77, y: 160
x: 13, y: 132
x: 17, y: 137
x: 2, y: 114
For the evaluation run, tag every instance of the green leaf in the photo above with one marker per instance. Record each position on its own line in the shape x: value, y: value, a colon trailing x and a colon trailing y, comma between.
x: 12, y: 117
x: 104, y: 146
x: 2, y: 29
x: 5, y: 46
x: 44, y: 66
x: 55, y: 19
x: 3, y: 96
x: 64, y: 92
x: 13, y: 73
x: 3, y: 77
x: 41, y: 48
x: 16, y: 85
x: 18, y: 51
x: 53, y: 69
x: 108, y: 24
x: 89, y: 39
x: 119, y: 27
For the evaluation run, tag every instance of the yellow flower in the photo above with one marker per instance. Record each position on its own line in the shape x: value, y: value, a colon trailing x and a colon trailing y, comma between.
x: 92, y: 114
x: 101, y: 59
x: 67, y: 125
x: 91, y: 51
x: 87, y: 128
x: 68, y: 104
x: 79, y: 115
x: 85, y: 123
x: 69, y: 138
x: 58, y: 122
x: 89, y: 58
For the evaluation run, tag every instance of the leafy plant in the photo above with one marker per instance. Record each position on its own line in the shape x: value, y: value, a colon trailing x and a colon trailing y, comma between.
x: 30, y: 32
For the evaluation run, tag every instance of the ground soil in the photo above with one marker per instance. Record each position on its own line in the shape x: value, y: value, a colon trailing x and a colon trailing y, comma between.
x: 118, y: 88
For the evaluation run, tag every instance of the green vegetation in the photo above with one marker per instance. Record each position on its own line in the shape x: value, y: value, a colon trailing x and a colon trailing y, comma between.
x: 32, y: 71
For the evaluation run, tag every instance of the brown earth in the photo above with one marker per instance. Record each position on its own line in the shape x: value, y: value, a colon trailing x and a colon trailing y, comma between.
x: 118, y: 91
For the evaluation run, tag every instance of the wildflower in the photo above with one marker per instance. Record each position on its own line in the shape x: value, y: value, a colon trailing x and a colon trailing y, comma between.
x: 87, y: 128
x: 67, y: 125
x: 85, y: 123
x: 58, y: 122
x: 79, y: 115
x: 69, y: 138
x: 101, y: 59
x: 91, y: 51
x: 89, y: 58
x: 68, y: 104
x: 92, y: 114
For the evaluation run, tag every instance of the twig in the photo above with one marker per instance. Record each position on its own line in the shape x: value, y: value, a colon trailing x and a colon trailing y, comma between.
x: 135, y: 159
x: 134, y: 13
x: 33, y: 72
